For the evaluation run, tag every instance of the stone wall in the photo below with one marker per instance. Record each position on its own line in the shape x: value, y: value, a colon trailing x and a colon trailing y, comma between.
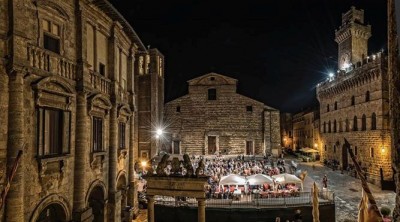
x: 193, y: 118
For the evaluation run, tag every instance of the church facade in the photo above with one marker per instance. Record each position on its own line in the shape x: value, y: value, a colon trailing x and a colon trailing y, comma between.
x: 214, y: 119
x: 354, y: 102
x: 68, y: 92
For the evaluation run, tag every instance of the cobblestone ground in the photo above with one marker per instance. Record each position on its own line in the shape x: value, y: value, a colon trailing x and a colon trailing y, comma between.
x: 347, y: 190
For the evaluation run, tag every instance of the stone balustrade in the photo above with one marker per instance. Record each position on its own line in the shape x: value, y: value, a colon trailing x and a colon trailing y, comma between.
x: 100, y: 82
x: 51, y: 62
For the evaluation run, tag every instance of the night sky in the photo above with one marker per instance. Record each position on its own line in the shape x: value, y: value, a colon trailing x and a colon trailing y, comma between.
x: 277, y: 49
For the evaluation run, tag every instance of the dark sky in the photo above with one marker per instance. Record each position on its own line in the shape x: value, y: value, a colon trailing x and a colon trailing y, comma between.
x: 277, y: 49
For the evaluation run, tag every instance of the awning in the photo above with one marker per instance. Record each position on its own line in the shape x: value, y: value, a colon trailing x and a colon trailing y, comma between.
x: 259, y: 179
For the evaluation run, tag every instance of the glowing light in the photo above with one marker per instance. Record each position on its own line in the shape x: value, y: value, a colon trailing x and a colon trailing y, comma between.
x: 315, y: 145
x: 159, y: 132
x: 346, y: 65
x: 383, y: 149
x: 144, y: 164
x: 331, y: 75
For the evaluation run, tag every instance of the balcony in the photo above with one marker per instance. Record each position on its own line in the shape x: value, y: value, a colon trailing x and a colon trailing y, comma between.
x: 100, y: 82
x: 50, y: 62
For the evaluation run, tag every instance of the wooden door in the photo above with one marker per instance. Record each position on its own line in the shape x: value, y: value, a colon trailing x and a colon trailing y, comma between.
x: 212, y: 144
x: 249, y: 148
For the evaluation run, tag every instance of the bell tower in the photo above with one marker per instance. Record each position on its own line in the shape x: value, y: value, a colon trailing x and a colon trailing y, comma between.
x: 352, y: 38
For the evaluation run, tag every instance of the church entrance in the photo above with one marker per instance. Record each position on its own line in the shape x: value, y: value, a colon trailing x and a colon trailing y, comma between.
x: 212, y: 144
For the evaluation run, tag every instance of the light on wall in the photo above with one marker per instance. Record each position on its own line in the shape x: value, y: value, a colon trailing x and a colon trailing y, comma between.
x: 383, y: 149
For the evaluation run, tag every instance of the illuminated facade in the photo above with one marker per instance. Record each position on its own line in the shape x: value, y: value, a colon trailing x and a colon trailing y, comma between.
x: 354, y: 104
x: 213, y: 118
x: 68, y: 99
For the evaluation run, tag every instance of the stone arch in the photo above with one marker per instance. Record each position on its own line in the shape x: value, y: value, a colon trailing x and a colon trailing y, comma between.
x: 96, y: 198
x: 94, y: 184
x: 99, y: 102
x: 57, y: 203
x: 55, y: 83
x: 122, y: 186
x: 54, y: 7
x: 46, y: 88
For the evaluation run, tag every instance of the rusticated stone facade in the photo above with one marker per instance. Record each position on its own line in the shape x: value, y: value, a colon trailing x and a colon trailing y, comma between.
x: 67, y: 98
x: 306, y: 129
x: 213, y: 118
x: 354, y: 103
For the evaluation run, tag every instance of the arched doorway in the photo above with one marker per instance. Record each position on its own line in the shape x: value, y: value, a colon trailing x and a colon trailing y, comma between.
x: 121, y: 186
x: 52, y: 213
x: 96, y: 202
x: 345, y: 161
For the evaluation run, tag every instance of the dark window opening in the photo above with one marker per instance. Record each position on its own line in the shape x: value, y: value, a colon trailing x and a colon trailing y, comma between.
x: 335, y: 105
x: 364, y: 123
x: 212, y: 78
x: 353, y: 100
x: 367, y: 97
x: 52, y: 44
x: 355, y: 125
x: 372, y: 152
x: 373, y: 121
x: 178, y: 109
x: 327, y: 108
x: 102, y: 69
x: 249, y: 108
x: 355, y: 151
x: 97, y: 134
x: 121, y: 134
x: 212, y: 94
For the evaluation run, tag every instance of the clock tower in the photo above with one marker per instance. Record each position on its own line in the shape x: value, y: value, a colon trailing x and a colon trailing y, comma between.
x: 352, y: 38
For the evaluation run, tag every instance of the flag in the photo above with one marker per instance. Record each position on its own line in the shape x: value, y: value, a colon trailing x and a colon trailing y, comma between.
x: 373, y: 213
x: 9, y: 179
x: 315, y: 203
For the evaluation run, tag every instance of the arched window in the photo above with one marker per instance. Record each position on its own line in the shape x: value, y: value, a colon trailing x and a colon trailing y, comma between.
x: 353, y: 100
x: 335, y: 105
x: 327, y: 108
x: 373, y: 121
x: 347, y: 125
x: 355, y: 151
x: 355, y: 127
x: 334, y: 126
x: 329, y: 126
x: 364, y: 123
x: 340, y: 126
x: 334, y: 148
x: 367, y: 96
x: 325, y: 147
x: 324, y: 127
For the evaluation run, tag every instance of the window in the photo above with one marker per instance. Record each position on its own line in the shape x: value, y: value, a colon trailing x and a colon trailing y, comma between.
x: 121, y: 135
x: 329, y: 126
x: 347, y: 125
x: 367, y: 96
x: 249, y: 108
x: 325, y: 147
x: 212, y: 78
x: 53, y: 132
x: 353, y: 100
x: 373, y: 121
x: 327, y: 108
x: 102, y: 69
x: 324, y: 127
x: 355, y: 151
x: 355, y: 125
x: 340, y: 126
x: 334, y: 126
x: 51, y: 36
x: 372, y: 152
x: 97, y: 134
x: 178, y: 109
x: 364, y: 123
x: 335, y: 105
x: 212, y: 94
x: 290, y: 134
x: 334, y: 148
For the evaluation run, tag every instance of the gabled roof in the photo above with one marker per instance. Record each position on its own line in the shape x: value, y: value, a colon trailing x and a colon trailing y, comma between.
x: 200, y: 80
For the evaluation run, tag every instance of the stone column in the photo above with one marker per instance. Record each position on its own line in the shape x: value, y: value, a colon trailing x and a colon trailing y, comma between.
x: 132, y: 159
x: 201, y: 210
x: 81, y: 151
x: 14, y: 205
x: 113, y: 155
x: 150, y: 209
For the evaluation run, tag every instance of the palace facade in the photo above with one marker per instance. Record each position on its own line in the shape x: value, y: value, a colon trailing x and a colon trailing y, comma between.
x: 70, y: 76
x: 213, y: 118
x: 354, y: 102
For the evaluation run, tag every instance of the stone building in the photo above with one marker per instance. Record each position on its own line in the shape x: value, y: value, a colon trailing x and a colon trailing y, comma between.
x: 214, y: 118
x: 67, y: 71
x: 354, y: 103
x: 286, y: 130
x: 305, y: 133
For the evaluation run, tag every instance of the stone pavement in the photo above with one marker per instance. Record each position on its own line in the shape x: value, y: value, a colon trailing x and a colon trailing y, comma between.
x: 347, y: 190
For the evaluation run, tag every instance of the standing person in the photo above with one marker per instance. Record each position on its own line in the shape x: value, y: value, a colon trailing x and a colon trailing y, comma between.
x: 297, y: 216
x: 325, y: 181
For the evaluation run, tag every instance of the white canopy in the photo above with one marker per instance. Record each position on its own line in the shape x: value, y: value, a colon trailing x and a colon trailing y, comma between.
x: 286, y: 178
x: 232, y: 179
x: 259, y: 179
